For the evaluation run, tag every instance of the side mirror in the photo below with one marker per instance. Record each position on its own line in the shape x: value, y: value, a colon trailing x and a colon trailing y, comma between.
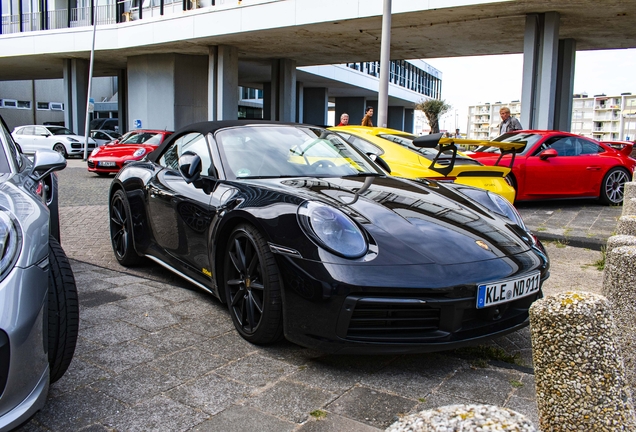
x: 379, y: 161
x: 190, y: 166
x: 548, y: 153
x: 45, y: 162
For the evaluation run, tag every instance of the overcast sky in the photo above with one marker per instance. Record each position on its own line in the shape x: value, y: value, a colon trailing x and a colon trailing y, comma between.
x: 473, y: 80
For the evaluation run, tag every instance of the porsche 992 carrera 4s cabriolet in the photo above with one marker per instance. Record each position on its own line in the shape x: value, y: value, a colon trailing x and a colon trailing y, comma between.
x: 304, y: 236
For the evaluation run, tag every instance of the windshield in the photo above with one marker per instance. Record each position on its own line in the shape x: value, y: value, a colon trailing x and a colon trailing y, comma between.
x: 284, y: 151
x: 529, y: 138
x: 150, y: 138
x: 60, y: 131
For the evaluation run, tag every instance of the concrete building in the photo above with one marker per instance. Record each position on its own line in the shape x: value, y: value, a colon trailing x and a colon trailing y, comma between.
x: 177, y: 62
x: 602, y: 117
x: 347, y: 88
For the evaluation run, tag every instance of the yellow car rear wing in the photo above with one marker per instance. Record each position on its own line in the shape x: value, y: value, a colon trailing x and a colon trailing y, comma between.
x: 450, y: 144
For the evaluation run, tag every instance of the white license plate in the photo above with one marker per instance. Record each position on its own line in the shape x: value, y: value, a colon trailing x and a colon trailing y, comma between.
x: 508, y: 290
x: 107, y: 164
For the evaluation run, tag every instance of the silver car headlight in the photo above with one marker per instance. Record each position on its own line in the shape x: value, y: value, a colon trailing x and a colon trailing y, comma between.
x: 71, y: 139
x: 332, y: 229
x: 139, y: 152
x: 10, y: 242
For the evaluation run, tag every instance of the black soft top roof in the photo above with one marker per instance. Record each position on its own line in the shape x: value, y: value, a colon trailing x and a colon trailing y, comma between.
x: 213, y: 126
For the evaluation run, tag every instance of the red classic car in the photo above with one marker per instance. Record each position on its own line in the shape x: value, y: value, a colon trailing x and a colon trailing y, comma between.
x: 556, y: 164
x: 134, y: 145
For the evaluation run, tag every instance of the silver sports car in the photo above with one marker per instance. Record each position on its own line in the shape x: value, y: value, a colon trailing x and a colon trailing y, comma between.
x: 39, y: 313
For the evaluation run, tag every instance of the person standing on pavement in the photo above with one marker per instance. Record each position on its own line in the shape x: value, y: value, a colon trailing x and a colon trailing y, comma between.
x: 344, y: 119
x: 508, y: 123
x: 366, y: 120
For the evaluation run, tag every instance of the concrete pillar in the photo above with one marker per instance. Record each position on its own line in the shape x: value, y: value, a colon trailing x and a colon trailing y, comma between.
x: 395, y: 118
x: 122, y: 100
x: 626, y: 225
x: 619, y: 280
x: 409, y: 120
x: 267, y: 101
x: 75, y: 94
x: 548, y: 74
x: 354, y: 106
x: 300, y: 101
x: 565, y: 85
x: 282, y: 104
x: 315, y: 106
x: 167, y: 91
x: 579, y: 376
x: 463, y: 417
x: 223, y: 83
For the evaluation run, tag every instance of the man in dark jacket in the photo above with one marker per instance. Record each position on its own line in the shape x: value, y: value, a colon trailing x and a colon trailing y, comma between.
x: 508, y: 123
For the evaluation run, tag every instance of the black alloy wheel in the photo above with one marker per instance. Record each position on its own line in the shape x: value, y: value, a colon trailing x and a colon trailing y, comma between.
x: 121, y: 230
x: 252, y: 286
x: 63, y: 312
x: 613, y: 186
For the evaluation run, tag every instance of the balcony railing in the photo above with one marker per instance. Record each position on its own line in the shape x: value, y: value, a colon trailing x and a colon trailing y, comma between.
x: 122, y: 11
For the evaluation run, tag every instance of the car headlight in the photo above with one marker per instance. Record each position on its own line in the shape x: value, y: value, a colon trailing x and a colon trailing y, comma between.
x: 10, y: 243
x: 139, y: 152
x: 332, y: 229
x: 94, y: 152
x: 495, y: 203
x: 71, y: 139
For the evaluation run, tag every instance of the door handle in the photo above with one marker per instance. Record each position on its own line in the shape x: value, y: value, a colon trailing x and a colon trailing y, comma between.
x: 593, y: 168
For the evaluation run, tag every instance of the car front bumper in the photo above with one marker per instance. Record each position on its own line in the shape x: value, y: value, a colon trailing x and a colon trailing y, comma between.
x: 338, y: 315
x: 23, y: 294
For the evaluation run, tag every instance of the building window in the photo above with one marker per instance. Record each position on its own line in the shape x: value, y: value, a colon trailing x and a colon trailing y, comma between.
x: 43, y: 106
x: 9, y: 103
x: 24, y: 104
x: 56, y: 106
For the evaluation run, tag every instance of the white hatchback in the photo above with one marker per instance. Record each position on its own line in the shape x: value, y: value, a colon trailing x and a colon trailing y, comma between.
x: 36, y: 137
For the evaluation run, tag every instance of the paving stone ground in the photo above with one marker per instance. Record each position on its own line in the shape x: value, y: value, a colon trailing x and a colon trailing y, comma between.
x: 156, y: 355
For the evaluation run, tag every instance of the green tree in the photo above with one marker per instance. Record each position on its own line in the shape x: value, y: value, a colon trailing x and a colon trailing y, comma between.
x: 433, y: 109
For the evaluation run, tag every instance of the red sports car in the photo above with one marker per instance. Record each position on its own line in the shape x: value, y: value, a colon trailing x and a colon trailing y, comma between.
x: 110, y: 158
x: 556, y: 164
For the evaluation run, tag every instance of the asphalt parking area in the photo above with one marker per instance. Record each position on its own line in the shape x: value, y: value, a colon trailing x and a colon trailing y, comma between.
x: 154, y: 354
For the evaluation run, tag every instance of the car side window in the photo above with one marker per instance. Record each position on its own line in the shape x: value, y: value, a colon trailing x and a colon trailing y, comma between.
x: 365, y: 146
x: 194, y: 142
x: 29, y: 130
x: 41, y: 131
x: 588, y: 148
x: 564, y: 146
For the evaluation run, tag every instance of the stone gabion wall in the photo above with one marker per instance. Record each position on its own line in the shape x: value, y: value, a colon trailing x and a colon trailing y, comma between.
x: 579, y: 372
x: 619, y: 286
x: 626, y: 225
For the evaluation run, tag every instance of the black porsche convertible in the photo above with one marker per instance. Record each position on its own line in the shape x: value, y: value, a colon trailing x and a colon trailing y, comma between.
x: 305, y: 237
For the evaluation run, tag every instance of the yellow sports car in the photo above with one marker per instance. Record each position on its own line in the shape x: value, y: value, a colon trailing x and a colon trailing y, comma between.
x: 439, y: 162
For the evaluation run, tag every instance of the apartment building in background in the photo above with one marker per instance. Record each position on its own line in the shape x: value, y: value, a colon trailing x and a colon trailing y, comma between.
x: 602, y: 117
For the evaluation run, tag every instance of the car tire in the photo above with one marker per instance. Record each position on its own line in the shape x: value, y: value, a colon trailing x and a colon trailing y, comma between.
x: 121, y: 234
x: 60, y: 149
x: 613, y: 186
x: 512, y: 181
x: 63, y: 311
x: 253, y: 286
